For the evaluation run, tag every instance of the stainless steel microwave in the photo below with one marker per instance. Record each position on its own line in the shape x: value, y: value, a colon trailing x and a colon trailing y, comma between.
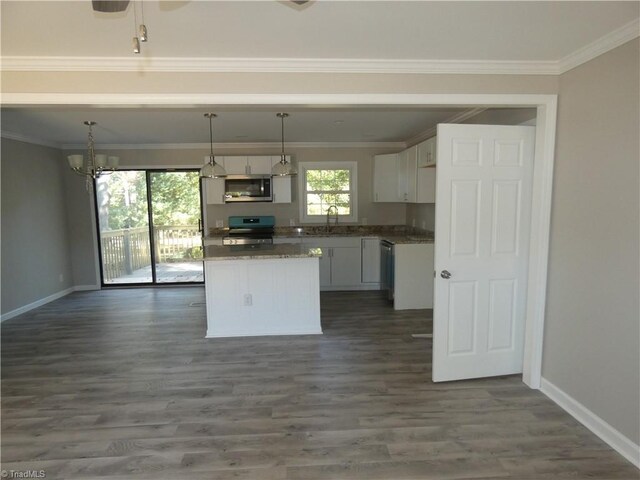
x: 247, y: 188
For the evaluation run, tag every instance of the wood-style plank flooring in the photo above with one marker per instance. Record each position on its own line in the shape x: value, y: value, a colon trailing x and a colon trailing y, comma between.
x: 122, y: 384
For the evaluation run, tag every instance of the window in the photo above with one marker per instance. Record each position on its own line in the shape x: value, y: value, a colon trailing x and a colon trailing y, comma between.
x: 326, y: 184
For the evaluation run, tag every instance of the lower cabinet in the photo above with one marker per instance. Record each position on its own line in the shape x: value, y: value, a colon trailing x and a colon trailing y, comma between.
x: 371, y: 261
x: 340, y: 264
x: 413, y: 276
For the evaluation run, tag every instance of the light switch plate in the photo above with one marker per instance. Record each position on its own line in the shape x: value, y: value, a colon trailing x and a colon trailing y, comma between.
x: 219, y: 223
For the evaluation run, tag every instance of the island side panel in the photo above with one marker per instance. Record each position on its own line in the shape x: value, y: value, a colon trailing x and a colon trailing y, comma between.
x: 263, y: 297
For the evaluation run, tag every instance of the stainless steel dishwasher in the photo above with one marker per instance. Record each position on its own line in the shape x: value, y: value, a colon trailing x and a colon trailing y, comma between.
x: 387, y: 268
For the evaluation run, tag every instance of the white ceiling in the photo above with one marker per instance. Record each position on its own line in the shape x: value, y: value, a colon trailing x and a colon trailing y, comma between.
x: 62, y: 126
x: 376, y: 31
x: 437, y: 30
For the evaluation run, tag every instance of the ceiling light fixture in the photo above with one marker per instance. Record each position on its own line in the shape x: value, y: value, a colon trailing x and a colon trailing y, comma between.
x: 283, y: 167
x: 212, y: 169
x: 139, y: 31
x: 96, y: 165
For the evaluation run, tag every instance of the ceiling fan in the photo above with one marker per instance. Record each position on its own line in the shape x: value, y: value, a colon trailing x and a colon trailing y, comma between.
x: 112, y: 6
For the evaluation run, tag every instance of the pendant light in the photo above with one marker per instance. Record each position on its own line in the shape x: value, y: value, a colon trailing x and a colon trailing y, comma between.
x: 212, y: 169
x: 283, y: 167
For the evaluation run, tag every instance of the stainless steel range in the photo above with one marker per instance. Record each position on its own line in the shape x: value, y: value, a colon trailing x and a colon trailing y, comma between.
x: 256, y: 230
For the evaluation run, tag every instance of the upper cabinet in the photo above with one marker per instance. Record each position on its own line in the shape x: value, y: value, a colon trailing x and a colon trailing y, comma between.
x: 427, y: 153
x: 385, y: 178
x: 402, y: 177
x: 248, y: 165
x: 407, y: 175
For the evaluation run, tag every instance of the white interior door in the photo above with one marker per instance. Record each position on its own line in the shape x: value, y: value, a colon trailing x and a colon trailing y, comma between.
x: 483, y: 209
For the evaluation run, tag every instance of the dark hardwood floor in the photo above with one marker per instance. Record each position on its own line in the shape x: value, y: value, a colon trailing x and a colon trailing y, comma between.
x: 122, y: 384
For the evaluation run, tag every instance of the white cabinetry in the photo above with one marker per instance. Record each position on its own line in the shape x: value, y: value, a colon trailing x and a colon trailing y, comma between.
x: 370, y: 260
x: 213, y: 190
x: 407, y: 173
x: 399, y: 178
x: 280, y: 186
x: 340, y: 264
x: 413, y: 276
x: 385, y: 178
x: 246, y: 165
x: 427, y: 153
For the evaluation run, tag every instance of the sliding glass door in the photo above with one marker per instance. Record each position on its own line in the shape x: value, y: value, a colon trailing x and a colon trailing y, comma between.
x: 149, y: 227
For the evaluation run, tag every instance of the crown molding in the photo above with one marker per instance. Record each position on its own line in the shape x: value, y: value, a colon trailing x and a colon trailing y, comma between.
x: 608, y: 42
x: 322, y: 65
x: 431, y: 131
x: 275, y: 65
x: 29, y: 139
x: 235, y: 146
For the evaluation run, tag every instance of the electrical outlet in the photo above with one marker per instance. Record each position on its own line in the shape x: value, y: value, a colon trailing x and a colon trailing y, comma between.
x: 219, y: 223
x: 413, y: 223
x: 248, y: 300
x: 61, y: 277
x: 292, y: 222
x: 424, y: 225
x: 364, y: 220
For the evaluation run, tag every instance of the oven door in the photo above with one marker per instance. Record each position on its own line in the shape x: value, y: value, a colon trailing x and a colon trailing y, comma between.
x: 247, y: 188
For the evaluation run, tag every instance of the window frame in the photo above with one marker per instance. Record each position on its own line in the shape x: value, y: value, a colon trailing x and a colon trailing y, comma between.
x: 352, y: 166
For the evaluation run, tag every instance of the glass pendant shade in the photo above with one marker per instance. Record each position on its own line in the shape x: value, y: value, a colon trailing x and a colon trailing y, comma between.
x: 283, y: 168
x: 101, y: 160
x: 212, y: 169
x: 75, y: 161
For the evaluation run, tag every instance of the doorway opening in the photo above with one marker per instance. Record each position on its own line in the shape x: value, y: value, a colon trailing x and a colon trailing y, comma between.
x: 149, y: 227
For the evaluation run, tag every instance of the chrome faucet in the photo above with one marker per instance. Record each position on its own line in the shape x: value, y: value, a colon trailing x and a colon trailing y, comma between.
x: 332, y: 207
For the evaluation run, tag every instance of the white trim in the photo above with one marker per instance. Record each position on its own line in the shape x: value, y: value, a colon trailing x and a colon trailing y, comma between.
x: 323, y: 65
x: 352, y: 166
x: 431, y: 132
x: 542, y: 175
x: 233, y: 146
x: 43, y: 301
x: 616, y: 440
x: 539, y: 242
x: 608, y: 42
x: 203, y: 100
x: 28, y: 139
x: 275, y: 65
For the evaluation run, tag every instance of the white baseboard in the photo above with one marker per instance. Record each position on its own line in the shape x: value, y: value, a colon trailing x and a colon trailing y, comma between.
x: 45, y: 300
x: 593, y: 422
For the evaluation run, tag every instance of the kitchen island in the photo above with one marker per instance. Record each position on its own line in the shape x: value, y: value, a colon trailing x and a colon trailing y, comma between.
x: 262, y: 290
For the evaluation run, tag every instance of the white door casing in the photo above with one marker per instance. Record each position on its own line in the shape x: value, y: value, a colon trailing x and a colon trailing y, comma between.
x: 483, y: 216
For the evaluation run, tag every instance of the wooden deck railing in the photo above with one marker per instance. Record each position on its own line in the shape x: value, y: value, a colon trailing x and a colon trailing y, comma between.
x: 128, y: 249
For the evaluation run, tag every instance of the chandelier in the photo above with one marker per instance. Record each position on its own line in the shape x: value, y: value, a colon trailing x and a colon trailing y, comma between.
x: 96, y: 164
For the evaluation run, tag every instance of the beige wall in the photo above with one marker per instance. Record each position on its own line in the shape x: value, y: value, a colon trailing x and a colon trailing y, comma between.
x: 286, y: 83
x: 35, y: 245
x: 591, y: 348
x: 379, y: 214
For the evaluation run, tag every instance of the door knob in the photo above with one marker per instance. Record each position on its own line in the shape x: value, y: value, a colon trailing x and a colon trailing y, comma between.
x: 445, y: 274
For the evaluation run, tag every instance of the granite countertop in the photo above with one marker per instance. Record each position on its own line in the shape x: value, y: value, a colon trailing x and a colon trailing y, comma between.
x: 256, y: 252
x: 397, y: 234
